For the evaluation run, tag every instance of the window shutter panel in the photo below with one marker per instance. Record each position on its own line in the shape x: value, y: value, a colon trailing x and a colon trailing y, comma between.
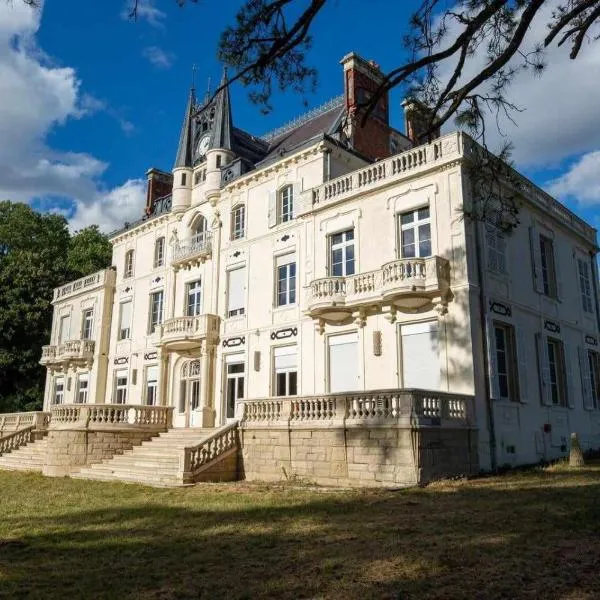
x: 586, y: 388
x: 569, y: 358
x: 543, y: 368
x: 489, y: 248
x: 557, y: 271
x: 536, y: 259
x: 492, y: 363
x: 297, y: 191
x: 522, y: 364
x: 272, y: 208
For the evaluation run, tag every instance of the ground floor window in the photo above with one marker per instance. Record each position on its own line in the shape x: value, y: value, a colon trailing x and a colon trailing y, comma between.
x: 152, y: 385
x: 59, y: 390
x: 190, y: 386
x: 506, y: 361
x: 594, y: 367
x: 420, y: 355
x: 121, y: 387
x: 82, y: 388
x: 343, y: 362
x: 285, y: 370
x: 235, y: 383
x: 557, y: 372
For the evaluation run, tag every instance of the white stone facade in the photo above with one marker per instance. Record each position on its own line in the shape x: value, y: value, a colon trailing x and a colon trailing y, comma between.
x: 287, y: 282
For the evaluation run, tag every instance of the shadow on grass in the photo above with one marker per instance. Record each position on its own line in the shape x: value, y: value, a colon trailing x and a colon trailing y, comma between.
x: 528, y: 536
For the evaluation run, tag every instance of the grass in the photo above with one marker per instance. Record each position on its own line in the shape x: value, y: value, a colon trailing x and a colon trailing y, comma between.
x: 531, y: 534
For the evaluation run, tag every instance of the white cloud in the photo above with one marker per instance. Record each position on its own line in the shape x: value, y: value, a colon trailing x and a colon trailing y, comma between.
x: 560, y: 116
x: 113, y: 208
x: 37, y: 96
x: 158, y: 57
x: 581, y: 182
x: 145, y: 10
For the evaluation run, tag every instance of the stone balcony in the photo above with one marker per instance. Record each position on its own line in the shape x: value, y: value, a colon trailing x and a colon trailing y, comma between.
x: 407, y: 284
x: 193, y: 251
x: 78, y: 352
x: 187, y: 333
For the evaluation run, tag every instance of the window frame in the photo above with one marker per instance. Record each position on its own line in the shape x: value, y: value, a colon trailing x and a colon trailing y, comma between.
x: 55, y: 391
x: 240, y: 311
x: 415, y: 226
x: 290, y: 373
x: 155, y: 317
x: 235, y: 376
x: 128, y: 265
x: 285, y: 195
x: 286, y: 263
x: 511, y: 361
x: 120, y: 330
x: 87, y: 318
x: 238, y: 223
x: 593, y: 358
x: 120, y: 390
x: 343, y: 245
x: 585, y: 285
x: 495, y: 243
x: 548, y: 267
x: 147, y: 387
x: 557, y: 365
x: 83, y: 377
x: 159, y: 252
x: 194, y: 286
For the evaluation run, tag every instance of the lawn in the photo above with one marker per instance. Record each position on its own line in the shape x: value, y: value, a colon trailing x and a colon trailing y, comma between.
x: 533, y: 534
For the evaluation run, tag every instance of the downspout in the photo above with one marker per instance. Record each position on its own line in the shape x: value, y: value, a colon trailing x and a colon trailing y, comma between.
x: 484, y: 343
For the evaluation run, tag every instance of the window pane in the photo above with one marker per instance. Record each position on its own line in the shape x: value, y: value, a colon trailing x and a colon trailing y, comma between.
x: 281, y: 391
x: 423, y: 213
x: 350, y: 234
x: 336, y: 239
x: 407, y: 218
x: 293, y: 384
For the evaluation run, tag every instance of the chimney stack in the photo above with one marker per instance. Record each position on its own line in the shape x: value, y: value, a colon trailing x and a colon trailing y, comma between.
x: 416, y: 121
x: 362, y: 78
x: 159, y: 184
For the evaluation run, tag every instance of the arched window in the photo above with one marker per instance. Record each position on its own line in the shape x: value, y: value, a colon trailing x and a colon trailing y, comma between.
x: 159, y: 252
x: 285, y: 204
x: 238, y: 222
x: 128, y: 270
x: 199, y: 229
x: 190, y: 386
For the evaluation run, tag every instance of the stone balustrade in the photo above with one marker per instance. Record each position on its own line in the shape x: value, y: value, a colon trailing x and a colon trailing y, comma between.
x: 87, y: 283
x: 401, y: 407
x: 10, y: 422
x: 16, y: 439
x: 193, y: 251
x: 69, y: 351
x: 186, y: 333
x: 197, y: 457
x: 406, y: 280
x: 101, y: 416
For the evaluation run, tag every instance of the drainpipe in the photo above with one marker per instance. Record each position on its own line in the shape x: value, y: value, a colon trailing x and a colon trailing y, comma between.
x: 484, y: 341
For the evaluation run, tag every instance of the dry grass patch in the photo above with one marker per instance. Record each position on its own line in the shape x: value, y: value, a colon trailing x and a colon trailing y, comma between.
x: 532, y: 534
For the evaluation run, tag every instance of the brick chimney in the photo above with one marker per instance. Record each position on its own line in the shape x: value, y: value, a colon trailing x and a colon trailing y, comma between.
x: 159, y: 184
x: 416, y: 119
x: 361, y: 80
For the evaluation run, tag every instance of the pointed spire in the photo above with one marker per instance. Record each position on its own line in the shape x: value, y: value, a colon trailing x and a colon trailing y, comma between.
x: 223, y: 127
x: 184, y: 150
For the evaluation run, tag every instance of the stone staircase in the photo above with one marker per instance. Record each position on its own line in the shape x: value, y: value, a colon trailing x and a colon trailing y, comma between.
x: 30, y: 457
x: 156, y: 462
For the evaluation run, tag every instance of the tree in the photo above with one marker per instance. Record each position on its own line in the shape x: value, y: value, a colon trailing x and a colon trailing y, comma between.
x: 37, y: 254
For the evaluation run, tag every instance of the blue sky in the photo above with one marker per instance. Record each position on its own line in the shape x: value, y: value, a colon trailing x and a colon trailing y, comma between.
x: 90, y: 100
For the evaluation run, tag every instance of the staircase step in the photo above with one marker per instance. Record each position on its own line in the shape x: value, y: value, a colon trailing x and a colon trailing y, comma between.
x: 29, y: 457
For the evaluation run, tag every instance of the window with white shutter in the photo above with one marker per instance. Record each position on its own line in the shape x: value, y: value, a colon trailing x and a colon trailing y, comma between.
x: 236, y: 292
x: 82, y: 387
x: 64, y: 329
x: 285, y: 370
x: 152, y: 385
x: 343, y: 362
x: 125, y: 320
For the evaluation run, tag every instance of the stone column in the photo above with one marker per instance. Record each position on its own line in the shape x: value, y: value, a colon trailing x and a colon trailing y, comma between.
x: 206, y: 359
x: 163, y: 358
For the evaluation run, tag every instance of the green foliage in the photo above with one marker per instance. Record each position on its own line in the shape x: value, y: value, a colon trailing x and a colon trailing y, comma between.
x: 37, y: 254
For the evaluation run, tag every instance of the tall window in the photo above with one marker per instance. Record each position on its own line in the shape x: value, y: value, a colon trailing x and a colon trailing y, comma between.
x: 286, y: 280
x: 59, y: 390
x: 415, y: 233
x: 594, y: 372
x: 194, y: 297
x: 87, y: 325
x: 63, y: 332
x: 236, y: 292
x: 496, y: 249
x: 152, y: 385
x: 285, y: 204
x: 159, y: 252
x: 128, y: 270
x: 120, y: 393
x: 190, y: 386
x: 156, y: 310
x: 285, y: 366
x: 506, y: 361
x: 183, y: 179
x: 548, y: 266
x: 557, y: 372
x: 238, y: 224
x: 585, y: 285
x: 125, y: 320
x: 342, y: 253
x: 82, y: 388
x: 199, y: 232
x: 234, y: 384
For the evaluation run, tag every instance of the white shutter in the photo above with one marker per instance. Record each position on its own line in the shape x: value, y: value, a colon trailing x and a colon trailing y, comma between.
x: 536, y: 259
x: 343, y: 362
x: 543, y: 368
x: 125, y: 315
x: 584, y: 370
x: 569, y: 358
x: 297, y: 191
x: 236, y: 297
x: 285, y: 357
x: 492, y: 362
x: 65, y: 325
x: 420, y: 356
x: 285, y: 259
x: 152, y: 373
x: 272, y: 208
x: 522, y: 364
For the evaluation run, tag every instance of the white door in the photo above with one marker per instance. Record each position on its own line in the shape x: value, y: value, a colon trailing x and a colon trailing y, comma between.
x: 234, y: 383
x: 420, y: 355
x: 343, y: 363
x: 194, y: 403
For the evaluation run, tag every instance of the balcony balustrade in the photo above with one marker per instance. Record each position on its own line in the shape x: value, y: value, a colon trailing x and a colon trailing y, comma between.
x: 405, y: 284
x: 105, y: 277
x: 192, y: 252
x: 71, y: 351
x: 187, y: 333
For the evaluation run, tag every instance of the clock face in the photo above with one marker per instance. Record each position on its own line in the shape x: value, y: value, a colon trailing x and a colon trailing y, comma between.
x: 202, y: 146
